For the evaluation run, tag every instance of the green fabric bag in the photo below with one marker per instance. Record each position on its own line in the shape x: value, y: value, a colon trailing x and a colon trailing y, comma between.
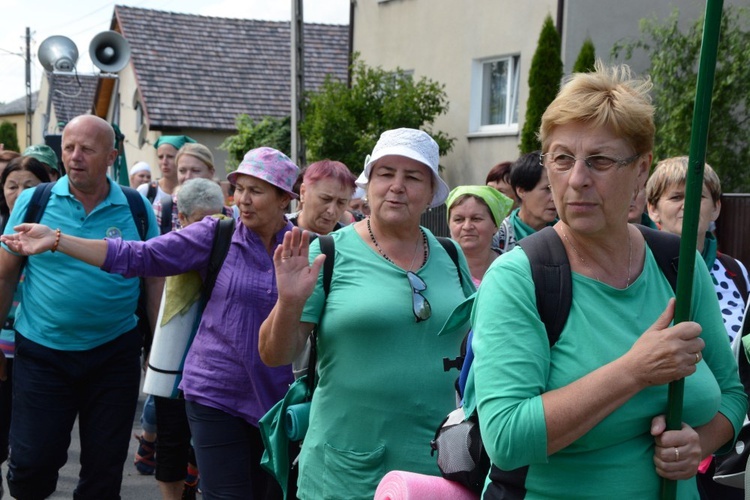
x: 273, y: 431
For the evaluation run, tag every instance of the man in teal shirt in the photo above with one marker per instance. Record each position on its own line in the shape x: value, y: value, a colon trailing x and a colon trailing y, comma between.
x: 77, y: 345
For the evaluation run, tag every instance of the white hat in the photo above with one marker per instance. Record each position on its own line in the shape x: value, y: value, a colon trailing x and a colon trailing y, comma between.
x: 359, y: 193
x: 140, y: 166
x: 410, y: 143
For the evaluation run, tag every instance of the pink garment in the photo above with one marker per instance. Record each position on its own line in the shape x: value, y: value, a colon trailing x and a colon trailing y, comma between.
x: 402, y: 485
x: 705, y: 464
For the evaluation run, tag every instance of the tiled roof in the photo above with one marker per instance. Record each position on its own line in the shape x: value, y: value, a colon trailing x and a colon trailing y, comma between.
x: 73, y: 95
x: 201, y: 72
x: 18, y: 106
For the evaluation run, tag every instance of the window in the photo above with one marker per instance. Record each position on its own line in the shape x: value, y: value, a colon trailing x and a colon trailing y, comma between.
x: 494, y: 95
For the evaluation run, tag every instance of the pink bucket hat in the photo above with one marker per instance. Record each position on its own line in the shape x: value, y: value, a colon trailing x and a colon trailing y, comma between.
x: 269, y: 165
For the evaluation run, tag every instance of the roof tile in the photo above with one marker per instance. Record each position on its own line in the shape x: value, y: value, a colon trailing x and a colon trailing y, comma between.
x: 201, y: 72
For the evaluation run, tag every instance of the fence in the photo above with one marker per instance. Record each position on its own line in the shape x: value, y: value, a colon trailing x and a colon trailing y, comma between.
x: 732, y: 226
x: 436, y: 220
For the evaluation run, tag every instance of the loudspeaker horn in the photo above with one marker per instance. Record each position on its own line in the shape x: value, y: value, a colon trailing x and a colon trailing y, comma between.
x: 109, y: 51
x: 58, y: 53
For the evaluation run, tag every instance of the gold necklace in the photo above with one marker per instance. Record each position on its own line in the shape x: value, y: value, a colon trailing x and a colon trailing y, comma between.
x: 583, y: 261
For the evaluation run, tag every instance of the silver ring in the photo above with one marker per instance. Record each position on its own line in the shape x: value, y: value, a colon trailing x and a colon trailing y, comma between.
x: 676, y: 454
x: 697, y: 358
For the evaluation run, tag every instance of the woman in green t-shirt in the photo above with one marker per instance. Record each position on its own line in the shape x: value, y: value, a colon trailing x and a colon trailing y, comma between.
x: 583, y: 418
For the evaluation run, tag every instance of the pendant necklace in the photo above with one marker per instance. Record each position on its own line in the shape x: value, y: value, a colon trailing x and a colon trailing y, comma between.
x: 416, y: 247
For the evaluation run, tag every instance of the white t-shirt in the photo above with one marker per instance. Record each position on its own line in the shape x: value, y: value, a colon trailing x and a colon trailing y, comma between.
x: 160, y: 194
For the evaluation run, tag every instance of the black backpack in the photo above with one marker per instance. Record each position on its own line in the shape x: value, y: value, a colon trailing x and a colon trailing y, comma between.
x: 41, y: 194
x: 464, y: 458
x: 37, y: 205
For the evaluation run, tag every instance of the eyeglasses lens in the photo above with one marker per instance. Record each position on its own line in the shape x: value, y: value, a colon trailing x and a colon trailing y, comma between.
x: 420, y: 305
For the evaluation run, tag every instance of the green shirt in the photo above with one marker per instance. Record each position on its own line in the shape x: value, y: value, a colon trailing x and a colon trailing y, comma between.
x: 382, y: 389
x: 514, y: 365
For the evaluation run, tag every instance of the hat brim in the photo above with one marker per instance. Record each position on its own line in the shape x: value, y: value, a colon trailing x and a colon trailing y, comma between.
x: 232, y: 178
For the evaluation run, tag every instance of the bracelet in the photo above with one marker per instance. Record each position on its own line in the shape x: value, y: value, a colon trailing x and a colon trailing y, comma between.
x: 57, y: 240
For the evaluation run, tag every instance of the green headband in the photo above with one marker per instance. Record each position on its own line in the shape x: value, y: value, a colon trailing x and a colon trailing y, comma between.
x: 177, y: 141
x: 499, y: 203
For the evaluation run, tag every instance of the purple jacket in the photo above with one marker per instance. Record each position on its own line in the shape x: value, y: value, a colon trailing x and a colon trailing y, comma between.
x: 223, y: 368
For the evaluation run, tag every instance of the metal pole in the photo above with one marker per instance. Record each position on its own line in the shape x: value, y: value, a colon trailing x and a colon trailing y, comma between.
x: 693, y: 188
x: 29, y: 112
x: 298, y: 79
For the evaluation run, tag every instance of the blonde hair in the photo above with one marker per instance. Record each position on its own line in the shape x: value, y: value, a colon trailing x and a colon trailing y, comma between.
x: 198, y: 151
x: 608, y: 97
x: 673, y: 172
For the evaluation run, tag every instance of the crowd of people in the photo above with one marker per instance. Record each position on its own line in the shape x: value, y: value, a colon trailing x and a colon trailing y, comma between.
x: 578, y: 413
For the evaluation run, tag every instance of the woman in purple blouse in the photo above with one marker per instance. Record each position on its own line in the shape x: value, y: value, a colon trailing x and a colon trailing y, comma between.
x: 227, y: 387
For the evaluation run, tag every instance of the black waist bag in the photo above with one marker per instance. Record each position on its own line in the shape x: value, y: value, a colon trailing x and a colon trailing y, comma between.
x: 461, y: 454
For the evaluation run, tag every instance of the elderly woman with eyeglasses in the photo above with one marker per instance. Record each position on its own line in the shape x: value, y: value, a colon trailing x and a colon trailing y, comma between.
x: 381, y: 382
x: 584, y: 417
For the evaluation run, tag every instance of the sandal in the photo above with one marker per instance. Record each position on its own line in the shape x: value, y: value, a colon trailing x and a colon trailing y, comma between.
x: 145, y: 461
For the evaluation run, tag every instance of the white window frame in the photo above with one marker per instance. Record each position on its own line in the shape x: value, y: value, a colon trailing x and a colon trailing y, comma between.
x: 477, y: 102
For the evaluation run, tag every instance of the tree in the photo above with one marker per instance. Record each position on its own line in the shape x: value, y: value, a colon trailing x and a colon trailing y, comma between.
x: 586, y: 57
x: 545, y: 74
x: 343, y: 123
x: 8, y: 136
x: 674, y: 55
x: 271, y: 132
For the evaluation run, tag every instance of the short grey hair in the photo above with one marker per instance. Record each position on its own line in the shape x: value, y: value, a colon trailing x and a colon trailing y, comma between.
x: 200, y: 194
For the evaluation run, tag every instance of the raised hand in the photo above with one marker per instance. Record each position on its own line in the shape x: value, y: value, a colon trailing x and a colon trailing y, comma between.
x: 30, y: 239
x: 295, y: 276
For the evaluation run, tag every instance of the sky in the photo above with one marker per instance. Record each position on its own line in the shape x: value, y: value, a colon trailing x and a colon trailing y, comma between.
x: 81, y: 20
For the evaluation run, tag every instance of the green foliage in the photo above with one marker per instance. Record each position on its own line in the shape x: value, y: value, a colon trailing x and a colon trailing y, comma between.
x: 586, y: 57
x: 343, y: 123
x: 272, y: 132
x: 674, y: 56
x: 545, y: 74
x: 8, y: 136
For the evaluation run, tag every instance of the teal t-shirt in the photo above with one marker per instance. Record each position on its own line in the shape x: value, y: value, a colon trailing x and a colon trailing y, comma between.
x: 514, y: 365
x: 68, y: 304
x: 382, y: 389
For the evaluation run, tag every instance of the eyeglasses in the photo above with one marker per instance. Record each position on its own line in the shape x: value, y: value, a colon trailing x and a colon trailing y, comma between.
x: 562, y: 163
x: 420, y: 306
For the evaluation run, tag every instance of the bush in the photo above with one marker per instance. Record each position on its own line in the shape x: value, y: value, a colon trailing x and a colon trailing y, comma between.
x: 545, y: 74
x: 343, y: 123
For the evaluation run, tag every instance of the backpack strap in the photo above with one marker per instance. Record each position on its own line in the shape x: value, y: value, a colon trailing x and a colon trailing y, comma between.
x: 138, y: 210
x: 666, y: 249
x: 550, y: 271
x: 450, y: 247
x: 734, y: 271
x: 219, y: 250
x: 553, y: 284
x: 166, y: 215
x: 152, y: 190
x: 38, y: 203
x: 328, y: 248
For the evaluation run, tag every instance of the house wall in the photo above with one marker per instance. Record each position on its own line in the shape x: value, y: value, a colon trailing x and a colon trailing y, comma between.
x: 19, y: 122
x: 439, y: 39
x: 610, y: 21
x: 38, y: 130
